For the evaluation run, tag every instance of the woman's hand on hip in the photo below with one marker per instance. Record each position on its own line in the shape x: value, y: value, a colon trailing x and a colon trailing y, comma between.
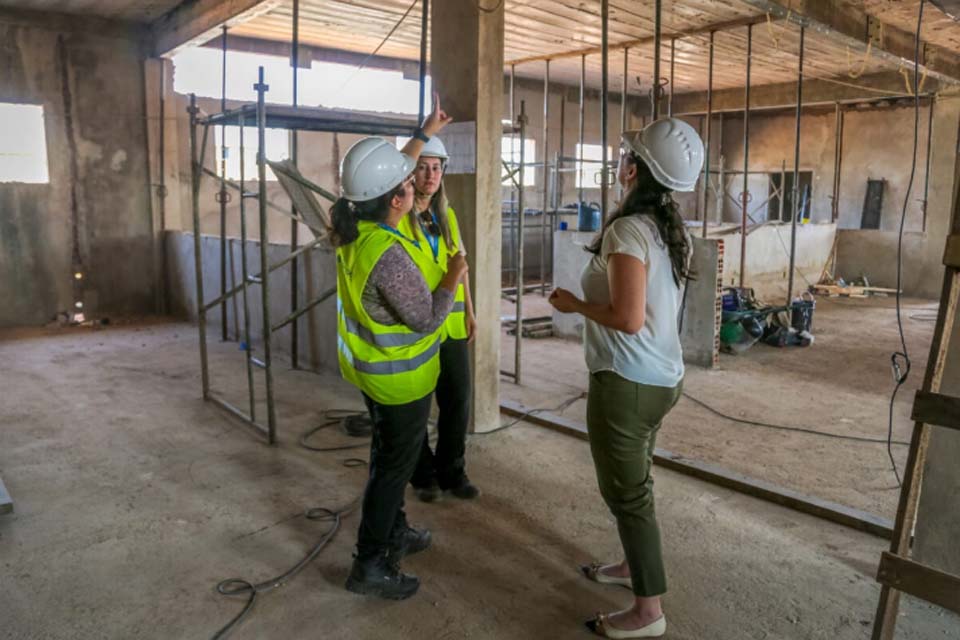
x: 564, y: 301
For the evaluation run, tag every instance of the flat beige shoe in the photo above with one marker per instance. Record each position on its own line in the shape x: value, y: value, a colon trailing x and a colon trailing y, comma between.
x: 592, y: 571
x: 602, y: 628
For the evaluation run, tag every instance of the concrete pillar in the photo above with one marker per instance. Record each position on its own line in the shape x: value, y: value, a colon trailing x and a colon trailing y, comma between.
x: 466, y: 65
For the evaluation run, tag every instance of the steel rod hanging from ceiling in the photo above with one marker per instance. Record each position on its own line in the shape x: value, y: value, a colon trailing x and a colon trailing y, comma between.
x: 797, y: 205
x: 604, y: 77
x: 746, y: 160
x: 707, y: 139
x: 673, y: 59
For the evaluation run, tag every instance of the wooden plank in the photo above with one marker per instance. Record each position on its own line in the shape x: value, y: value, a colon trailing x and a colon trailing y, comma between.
x: 927, y: 583
x: 837, y: 513
x: 193, y: 23
x: 6, y: 502
x: 951, y: 257
x: 937, y: 409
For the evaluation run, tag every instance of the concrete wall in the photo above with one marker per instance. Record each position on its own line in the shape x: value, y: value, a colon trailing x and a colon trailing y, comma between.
x: 101, y: 141
x: 318, y: 333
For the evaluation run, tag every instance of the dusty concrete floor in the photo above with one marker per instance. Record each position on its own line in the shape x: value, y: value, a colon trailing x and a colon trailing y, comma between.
x: 134, y: 498
x: 841, y: 384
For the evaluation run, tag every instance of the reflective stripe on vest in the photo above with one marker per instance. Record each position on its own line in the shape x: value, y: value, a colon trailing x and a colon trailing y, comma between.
x: 390, y: 363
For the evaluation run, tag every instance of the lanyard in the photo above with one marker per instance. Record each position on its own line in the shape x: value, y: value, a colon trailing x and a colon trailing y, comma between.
x: 395, y: 232
x: 433, y: 240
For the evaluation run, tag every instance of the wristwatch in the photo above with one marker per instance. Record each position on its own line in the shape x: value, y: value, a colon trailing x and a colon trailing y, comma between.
x: 420, y: 135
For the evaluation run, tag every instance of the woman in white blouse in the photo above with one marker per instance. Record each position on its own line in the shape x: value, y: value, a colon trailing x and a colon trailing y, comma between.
x: 633, y: 290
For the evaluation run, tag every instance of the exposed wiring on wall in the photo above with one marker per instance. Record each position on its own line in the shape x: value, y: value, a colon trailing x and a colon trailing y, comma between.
x: 780, y: 427
x: 902, y: 372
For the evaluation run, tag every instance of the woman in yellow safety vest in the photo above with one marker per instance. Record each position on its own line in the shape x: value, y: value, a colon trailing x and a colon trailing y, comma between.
x: 391, y: 308
x: 434, y: 223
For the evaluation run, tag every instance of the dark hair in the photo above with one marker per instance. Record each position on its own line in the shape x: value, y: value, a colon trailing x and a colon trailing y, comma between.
x: 344, y: 215
x: 649, y: 197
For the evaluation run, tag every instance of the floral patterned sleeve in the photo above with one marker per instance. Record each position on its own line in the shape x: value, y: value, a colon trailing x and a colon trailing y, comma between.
x: 396, y: 292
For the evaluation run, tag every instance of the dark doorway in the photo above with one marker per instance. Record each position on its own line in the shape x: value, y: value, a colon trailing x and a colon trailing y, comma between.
x: 785, y: 214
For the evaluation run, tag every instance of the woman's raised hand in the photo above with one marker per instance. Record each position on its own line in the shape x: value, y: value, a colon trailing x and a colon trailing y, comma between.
x: 437, y: 119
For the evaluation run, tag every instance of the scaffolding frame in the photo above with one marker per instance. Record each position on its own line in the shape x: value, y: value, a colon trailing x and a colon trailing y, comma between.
x: 292, y: 119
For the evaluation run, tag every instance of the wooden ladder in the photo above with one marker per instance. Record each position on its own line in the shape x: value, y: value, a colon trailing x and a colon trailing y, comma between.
x: 897, y: 572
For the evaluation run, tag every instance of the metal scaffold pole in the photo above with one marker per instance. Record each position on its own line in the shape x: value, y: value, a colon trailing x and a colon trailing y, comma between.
x: 261, y: 88
x: 424, y: 31
x: 294, y: 224
x: 222, y: 195
x: 546, y: 179
x: 518, y: 324
x: 707, y: 150
x: 604, y: 94
x: 195, y: 174
x: 657, y: 29
x: 245, y: 283
x: 583, y: 88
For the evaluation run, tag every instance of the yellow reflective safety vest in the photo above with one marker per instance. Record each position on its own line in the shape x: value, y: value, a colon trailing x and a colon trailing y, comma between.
x: 390, y: 363
x: 455, y: 325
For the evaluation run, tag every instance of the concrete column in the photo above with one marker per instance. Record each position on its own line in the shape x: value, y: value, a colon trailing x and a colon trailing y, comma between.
x: 466, y: 65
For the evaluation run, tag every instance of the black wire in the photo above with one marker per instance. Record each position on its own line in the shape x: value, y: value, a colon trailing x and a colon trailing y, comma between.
x: 239, y: 586
x: 334, y: 417
x: 900, y: 375
x: 559, y: 408
x: 781, y: 427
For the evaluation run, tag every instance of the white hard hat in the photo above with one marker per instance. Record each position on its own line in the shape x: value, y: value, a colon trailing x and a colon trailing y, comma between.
x: 371, y: 168
x: 434, y: 148
x: 672, y: 150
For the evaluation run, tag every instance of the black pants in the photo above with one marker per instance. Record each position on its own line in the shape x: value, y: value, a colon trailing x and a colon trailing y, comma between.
x: 398, y: 434
x: 446, y: 465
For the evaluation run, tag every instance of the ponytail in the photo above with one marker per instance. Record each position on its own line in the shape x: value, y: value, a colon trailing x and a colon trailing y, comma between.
x: 649, y: 197
x: 344, y: 215
x: 344, y: 223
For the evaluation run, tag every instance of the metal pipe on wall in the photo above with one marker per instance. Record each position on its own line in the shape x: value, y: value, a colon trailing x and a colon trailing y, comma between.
x: 926, y: 176
x: 294, y: 224
x: 707, y: 138
x: 746, y: 160
x: 222, y: 195
x: 546, y: 179
x: 837, y: 151
x: 424, y: 32
x: 797, y: 212
x: 604, y: 77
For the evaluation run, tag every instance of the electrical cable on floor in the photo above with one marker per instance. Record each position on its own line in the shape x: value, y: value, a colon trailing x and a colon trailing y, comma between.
x: 239, y: 586
x: 781, y: 427
x: 560, y: 408
x: 900, y: 374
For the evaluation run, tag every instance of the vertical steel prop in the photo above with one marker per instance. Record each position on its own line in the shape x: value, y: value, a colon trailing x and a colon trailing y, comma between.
x: 294, y: 225
x: 746, y: 161
x: 837, y: 161
x: 518, y: 324
x: 222, y: 195
x: 546, y: 179
x: 195, y: 173
x: 926, y: 175
x: 707, y: 138
x: 797, y: 205
x: 657, y: 28
x: 424, y: 32
x: 604, y: 77
x: 245, y: 274
x: 583, y: 89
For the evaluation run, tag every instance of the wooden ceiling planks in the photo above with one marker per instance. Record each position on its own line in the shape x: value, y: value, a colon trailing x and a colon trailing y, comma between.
x: 535, y: 28
x: 142, y: 11
x: 938, y: 28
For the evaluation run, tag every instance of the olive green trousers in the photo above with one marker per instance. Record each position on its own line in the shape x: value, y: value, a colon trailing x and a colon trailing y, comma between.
x: 623, y: 419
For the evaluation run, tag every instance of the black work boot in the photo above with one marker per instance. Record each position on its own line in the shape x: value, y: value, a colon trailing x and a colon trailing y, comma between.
x: 428, y: 492
x: 409, y: 542
x: 464, y: 489
x: 378, y: 576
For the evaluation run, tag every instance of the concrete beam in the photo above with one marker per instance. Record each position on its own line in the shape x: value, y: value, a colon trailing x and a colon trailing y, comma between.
x: 195, y: 22
x: 816, y: 92
x: 854, y: 27
x: 69, y: 23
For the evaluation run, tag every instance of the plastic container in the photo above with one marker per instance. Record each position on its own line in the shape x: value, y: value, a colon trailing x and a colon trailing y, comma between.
x: 588, y: 216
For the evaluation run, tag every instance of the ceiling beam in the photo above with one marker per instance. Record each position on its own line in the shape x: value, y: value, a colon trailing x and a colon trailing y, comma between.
x: 194, y: 22
x: 617, y: 46
x: 72, y: 23
x: 816, y: 92
x: 854, y: 27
